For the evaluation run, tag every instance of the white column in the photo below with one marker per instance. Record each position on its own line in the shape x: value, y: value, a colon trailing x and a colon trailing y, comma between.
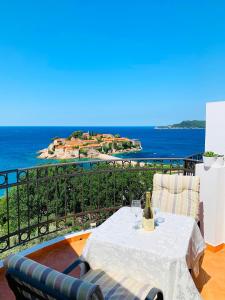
x: 212, y: 194
x: 215, y: 124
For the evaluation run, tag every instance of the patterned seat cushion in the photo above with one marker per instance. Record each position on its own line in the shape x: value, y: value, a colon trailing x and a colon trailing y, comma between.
x: 176, y: 194
x: 115, y: 286
x: 31, y: 278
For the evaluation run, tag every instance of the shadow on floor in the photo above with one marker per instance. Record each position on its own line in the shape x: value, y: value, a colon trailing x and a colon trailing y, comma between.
x: 59, y: 257
x: 202, y: 278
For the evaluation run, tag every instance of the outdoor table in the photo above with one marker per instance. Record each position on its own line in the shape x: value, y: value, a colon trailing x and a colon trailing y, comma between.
x: 163, y: 256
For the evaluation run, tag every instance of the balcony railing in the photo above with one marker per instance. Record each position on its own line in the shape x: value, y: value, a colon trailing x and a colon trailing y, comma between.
x: 35, y: 202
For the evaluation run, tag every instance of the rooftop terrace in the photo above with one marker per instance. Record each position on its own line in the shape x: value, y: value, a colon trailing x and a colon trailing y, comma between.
x: 75, y: 196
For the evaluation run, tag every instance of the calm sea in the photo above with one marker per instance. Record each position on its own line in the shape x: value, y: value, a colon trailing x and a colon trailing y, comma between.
x: 19, y: 145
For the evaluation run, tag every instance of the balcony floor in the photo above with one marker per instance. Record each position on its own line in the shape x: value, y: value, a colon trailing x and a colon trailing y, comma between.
x: 210, y: 281
x: 57, y: 258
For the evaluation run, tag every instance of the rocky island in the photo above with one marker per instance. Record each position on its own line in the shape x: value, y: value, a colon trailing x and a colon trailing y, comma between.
x: 195, y: 124
x: 88, y: 145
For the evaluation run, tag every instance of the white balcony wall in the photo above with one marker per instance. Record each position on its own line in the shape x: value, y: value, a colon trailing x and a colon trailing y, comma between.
x: 215, y: 127
x: 212, y: 180
x: 212, y: 195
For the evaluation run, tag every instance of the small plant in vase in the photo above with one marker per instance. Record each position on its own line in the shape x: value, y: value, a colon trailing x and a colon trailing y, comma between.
x: 209, y: 158
x: 148, y: 218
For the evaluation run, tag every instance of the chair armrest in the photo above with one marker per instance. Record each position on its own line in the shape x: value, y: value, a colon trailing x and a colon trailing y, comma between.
x: 78, y: 262
x: 154, y: 294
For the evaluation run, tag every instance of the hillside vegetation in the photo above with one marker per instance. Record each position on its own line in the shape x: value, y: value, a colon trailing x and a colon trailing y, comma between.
x: 185, y: 124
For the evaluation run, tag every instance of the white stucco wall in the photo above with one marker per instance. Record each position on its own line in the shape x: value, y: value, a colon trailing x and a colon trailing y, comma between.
x: 212, y: 195
x: 215, y: 127
x: 212, y: 180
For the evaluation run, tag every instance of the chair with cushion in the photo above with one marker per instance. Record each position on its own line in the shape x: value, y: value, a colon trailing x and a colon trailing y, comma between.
x: 176, y: 194
x: 31, y: 280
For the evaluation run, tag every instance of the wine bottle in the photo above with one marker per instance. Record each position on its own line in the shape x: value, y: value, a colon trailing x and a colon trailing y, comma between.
x: 148, y: 213
x: 148, y: 218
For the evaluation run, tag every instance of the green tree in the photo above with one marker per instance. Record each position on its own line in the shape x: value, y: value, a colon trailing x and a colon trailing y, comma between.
x: 105, y: 149
x: 117, y: 146
x: 54, y: 138
x: 83, y: 151
x: 76, y: 134
x: 99, y: 139
x: 92, y: 133
x: 50, y: 198
x: 126, y: 145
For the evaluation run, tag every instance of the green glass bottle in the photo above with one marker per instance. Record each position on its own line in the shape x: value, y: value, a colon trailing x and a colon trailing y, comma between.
x: 148, y: 213
x: 148, y: 218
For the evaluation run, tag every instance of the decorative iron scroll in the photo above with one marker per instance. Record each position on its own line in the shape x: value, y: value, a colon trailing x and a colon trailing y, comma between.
x: 35, y: 202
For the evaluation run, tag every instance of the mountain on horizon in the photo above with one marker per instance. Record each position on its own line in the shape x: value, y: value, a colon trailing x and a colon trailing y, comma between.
x: 194, y: 124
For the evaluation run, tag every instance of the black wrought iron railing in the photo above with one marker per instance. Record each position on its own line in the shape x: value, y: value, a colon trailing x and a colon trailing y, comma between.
x: 37, y: 201
x: 191, y: 161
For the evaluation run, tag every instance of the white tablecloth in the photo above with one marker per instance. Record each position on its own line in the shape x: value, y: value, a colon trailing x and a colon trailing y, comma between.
x: 163, y: 256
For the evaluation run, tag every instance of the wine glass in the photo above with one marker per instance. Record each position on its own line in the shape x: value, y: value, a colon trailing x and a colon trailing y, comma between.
x: 156, y: 211
x: 136, y: 210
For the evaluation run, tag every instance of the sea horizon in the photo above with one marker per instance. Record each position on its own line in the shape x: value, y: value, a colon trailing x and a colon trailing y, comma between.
x: 19, y: 144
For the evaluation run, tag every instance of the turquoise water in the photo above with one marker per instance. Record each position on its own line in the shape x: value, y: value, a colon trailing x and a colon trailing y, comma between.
x: 19, y: 145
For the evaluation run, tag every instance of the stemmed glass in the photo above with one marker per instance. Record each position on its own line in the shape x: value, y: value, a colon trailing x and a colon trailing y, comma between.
x: 136, y: 210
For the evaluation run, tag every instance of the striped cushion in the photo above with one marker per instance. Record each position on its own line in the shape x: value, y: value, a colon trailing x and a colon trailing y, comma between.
x: 116, y: 286
x: 176, y: 194
x: 46, y: 282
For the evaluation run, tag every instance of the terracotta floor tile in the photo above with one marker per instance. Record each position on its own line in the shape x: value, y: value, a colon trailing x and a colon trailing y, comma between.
x: 58, y: 258
x: 210, y: 282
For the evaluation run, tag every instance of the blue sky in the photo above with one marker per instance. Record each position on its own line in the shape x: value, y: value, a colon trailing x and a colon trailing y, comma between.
x: 114, y: 62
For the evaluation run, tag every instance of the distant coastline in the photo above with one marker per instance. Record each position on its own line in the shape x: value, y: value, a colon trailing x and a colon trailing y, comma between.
x: 176, y: 128
x: 19, y: 145
x: 195, y: 124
